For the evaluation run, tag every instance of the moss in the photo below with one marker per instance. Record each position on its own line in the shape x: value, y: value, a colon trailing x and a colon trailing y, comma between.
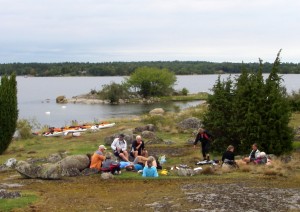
x: 26, y: 199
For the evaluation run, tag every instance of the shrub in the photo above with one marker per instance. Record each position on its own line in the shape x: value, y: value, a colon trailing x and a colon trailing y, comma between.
x: 294, y: 100
x: 184, y: 91
x: 25, y: 128
x: 113, y: 92
x: 152, y: 81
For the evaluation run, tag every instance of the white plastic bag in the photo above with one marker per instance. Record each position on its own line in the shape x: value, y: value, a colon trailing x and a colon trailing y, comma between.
x: 162, y: 159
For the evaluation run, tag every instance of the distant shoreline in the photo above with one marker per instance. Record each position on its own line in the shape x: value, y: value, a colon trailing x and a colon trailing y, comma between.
x: 92, y: 99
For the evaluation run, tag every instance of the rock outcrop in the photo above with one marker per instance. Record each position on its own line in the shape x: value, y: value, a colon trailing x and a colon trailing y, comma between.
x: 157, y: 112
x: 190, y: 123
x: 61, y: 99
x: 9, y: 194
x: 68, y: 166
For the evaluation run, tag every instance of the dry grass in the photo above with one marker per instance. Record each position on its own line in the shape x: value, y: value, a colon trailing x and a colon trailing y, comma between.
x: 129, y: 191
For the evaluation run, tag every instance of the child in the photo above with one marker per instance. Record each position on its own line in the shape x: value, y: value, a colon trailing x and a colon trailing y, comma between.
x: 150, y: 170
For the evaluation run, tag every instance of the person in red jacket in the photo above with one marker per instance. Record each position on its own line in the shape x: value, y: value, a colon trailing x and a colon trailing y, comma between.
x: 98, y: 157
x: 205, y: 138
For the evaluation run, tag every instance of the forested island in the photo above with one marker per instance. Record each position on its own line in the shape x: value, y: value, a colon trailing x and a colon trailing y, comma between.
x: 126, y: 68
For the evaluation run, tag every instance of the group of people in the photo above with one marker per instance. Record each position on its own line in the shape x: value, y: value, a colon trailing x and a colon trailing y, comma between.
x: 137, y: 158
x: 103, y: 162
x: 255, y: 156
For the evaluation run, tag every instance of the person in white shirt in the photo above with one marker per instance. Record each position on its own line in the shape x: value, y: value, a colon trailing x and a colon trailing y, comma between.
x: 119, y: 146
x: 253, y: 154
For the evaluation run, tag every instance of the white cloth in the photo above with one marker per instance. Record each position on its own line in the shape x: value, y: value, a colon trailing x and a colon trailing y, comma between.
x: 119, y: 144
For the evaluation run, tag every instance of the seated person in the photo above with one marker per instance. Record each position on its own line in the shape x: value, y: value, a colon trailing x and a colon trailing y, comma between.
x: 139, y: 163
x: 143, y: 160
x: 261, y: 159
x: 253, y: 154
x: 109, y: 165
x: 98, y: 157
x: 150, y: 170
x: 228, y: 157
x: 119, y: 146
x: 138, y: 148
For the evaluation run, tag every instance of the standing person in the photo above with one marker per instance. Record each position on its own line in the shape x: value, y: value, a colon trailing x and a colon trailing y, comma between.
x: 254, y: 154
x: 205, y: 138
x: 138, y: 148
x: 98, y: 157
x: 119, y: 146
x: 150, y: 170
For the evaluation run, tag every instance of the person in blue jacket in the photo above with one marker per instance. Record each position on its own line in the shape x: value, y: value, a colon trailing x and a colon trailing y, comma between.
x: 150, y: 170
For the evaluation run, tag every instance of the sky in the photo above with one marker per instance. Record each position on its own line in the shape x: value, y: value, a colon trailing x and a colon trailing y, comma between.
x: 149, y: 30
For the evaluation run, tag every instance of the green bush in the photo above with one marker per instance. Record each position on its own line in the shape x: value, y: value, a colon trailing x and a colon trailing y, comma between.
x: 294, y: 100
x: 184, y: 91
x: 152, y: 81
x: 113, y: 92
x: 25, y: 128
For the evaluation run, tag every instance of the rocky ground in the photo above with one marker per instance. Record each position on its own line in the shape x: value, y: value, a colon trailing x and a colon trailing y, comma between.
x: 226, y: 192
x: 241, y: 197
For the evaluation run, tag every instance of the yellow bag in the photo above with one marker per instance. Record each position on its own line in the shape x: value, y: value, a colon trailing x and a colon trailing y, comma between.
x: 164, y: 172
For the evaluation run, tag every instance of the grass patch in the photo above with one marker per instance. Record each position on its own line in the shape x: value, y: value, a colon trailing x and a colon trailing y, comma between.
x: 295, y: 120
x: 190, y: 97
x: 75, y: 192
x: 23, y: 201
x: 296, y: 145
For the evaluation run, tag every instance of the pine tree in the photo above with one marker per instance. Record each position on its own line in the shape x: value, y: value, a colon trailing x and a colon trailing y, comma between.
x: 217, y: 119
x: 250, y: 111
x: 248, y: 105
x: 277, y: 137
x: 8, y: 110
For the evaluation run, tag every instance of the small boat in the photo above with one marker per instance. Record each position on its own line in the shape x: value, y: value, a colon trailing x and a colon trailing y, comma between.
x: 102, y: 126
x: 64, y: 131
x: 53, y: 134
x: 76, y: 134
x: 105, y: 125
x: 74, y: 131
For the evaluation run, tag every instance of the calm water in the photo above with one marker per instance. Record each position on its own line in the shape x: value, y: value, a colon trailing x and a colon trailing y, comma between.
x: 36, y: 97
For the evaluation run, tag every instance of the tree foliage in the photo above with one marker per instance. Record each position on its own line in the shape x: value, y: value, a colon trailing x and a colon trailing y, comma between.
x: 127, y: 68
x: 152, y: 81
x: 250, y: 110
x: 113, y: 92
x: 8, y: 110
x: 294, y: 100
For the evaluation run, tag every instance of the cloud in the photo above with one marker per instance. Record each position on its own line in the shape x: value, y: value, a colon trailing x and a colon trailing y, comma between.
x: 133, y: 30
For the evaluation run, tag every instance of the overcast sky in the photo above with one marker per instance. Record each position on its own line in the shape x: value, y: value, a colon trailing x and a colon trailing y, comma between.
x: 149, y: 30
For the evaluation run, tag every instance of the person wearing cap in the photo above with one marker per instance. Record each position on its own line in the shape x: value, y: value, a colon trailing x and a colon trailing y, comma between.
x: 138, y: 148
x: 98, y: 158
x: 119, y: 146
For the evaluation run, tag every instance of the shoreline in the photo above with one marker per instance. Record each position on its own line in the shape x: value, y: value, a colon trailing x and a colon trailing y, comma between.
x: 92, y: 99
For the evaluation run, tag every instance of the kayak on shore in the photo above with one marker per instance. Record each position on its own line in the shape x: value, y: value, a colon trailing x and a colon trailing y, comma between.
x: 56, y: 132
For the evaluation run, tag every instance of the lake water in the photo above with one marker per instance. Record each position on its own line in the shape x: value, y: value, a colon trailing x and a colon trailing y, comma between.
x: 36, y: 97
